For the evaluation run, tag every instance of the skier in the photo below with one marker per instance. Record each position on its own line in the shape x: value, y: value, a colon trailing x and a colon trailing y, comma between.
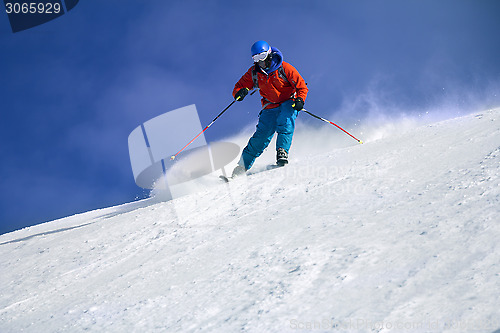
x: 283, y: 93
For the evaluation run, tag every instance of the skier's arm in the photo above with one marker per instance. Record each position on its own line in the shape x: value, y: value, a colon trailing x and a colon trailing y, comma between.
x: 246, y: 81
x: 296, y: 79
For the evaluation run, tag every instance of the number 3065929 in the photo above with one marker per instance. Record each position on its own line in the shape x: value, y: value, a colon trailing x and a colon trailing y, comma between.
x: 33, y: 8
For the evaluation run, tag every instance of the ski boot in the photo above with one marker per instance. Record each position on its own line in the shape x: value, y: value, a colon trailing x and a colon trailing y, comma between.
x: 238, y: 171
x: 281, y: 157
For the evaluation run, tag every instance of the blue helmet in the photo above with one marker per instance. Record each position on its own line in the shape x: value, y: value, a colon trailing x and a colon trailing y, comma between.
x: 259, y: 47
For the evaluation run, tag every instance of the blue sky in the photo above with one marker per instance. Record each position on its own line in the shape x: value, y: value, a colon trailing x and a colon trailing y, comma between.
x: 74, y: 88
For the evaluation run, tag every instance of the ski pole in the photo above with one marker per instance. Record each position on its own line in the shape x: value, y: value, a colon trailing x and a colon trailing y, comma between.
x: 331, y: 122
x: 213, y: 121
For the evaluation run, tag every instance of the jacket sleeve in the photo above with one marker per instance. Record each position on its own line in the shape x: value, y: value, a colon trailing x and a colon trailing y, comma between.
x: 296, y: 80
x: 246, y: 81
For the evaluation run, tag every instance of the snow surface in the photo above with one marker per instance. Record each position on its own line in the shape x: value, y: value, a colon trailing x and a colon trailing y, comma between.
x: 399, y: 234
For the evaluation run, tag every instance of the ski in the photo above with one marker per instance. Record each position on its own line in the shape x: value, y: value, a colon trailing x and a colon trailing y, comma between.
x: 226, y: 179
x: 269, y: 167
x: 274, y: 166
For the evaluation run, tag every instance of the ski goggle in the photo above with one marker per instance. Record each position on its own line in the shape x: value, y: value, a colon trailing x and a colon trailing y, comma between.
x: 261, y: 56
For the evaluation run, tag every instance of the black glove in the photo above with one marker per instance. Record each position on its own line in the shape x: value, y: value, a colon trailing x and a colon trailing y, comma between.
x: 298, y: 104
x: 241, y: 94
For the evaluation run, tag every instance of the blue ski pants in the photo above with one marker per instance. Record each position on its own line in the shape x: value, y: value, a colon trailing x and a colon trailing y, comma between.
x: 279, y: 120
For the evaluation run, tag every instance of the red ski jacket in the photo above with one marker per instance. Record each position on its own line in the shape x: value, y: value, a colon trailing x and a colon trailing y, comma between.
x: 274, y: 88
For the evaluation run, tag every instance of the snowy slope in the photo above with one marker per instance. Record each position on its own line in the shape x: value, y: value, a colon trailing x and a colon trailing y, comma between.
x: 399, y: 234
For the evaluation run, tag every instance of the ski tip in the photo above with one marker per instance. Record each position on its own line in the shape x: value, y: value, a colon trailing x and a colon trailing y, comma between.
x: 360, y: 142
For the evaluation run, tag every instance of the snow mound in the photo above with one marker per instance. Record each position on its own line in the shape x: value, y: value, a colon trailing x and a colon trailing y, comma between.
x: 398, y: 234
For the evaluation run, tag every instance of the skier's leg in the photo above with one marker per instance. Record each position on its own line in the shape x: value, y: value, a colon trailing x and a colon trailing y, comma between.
x: 261, y: 138
x: 285, y: 125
